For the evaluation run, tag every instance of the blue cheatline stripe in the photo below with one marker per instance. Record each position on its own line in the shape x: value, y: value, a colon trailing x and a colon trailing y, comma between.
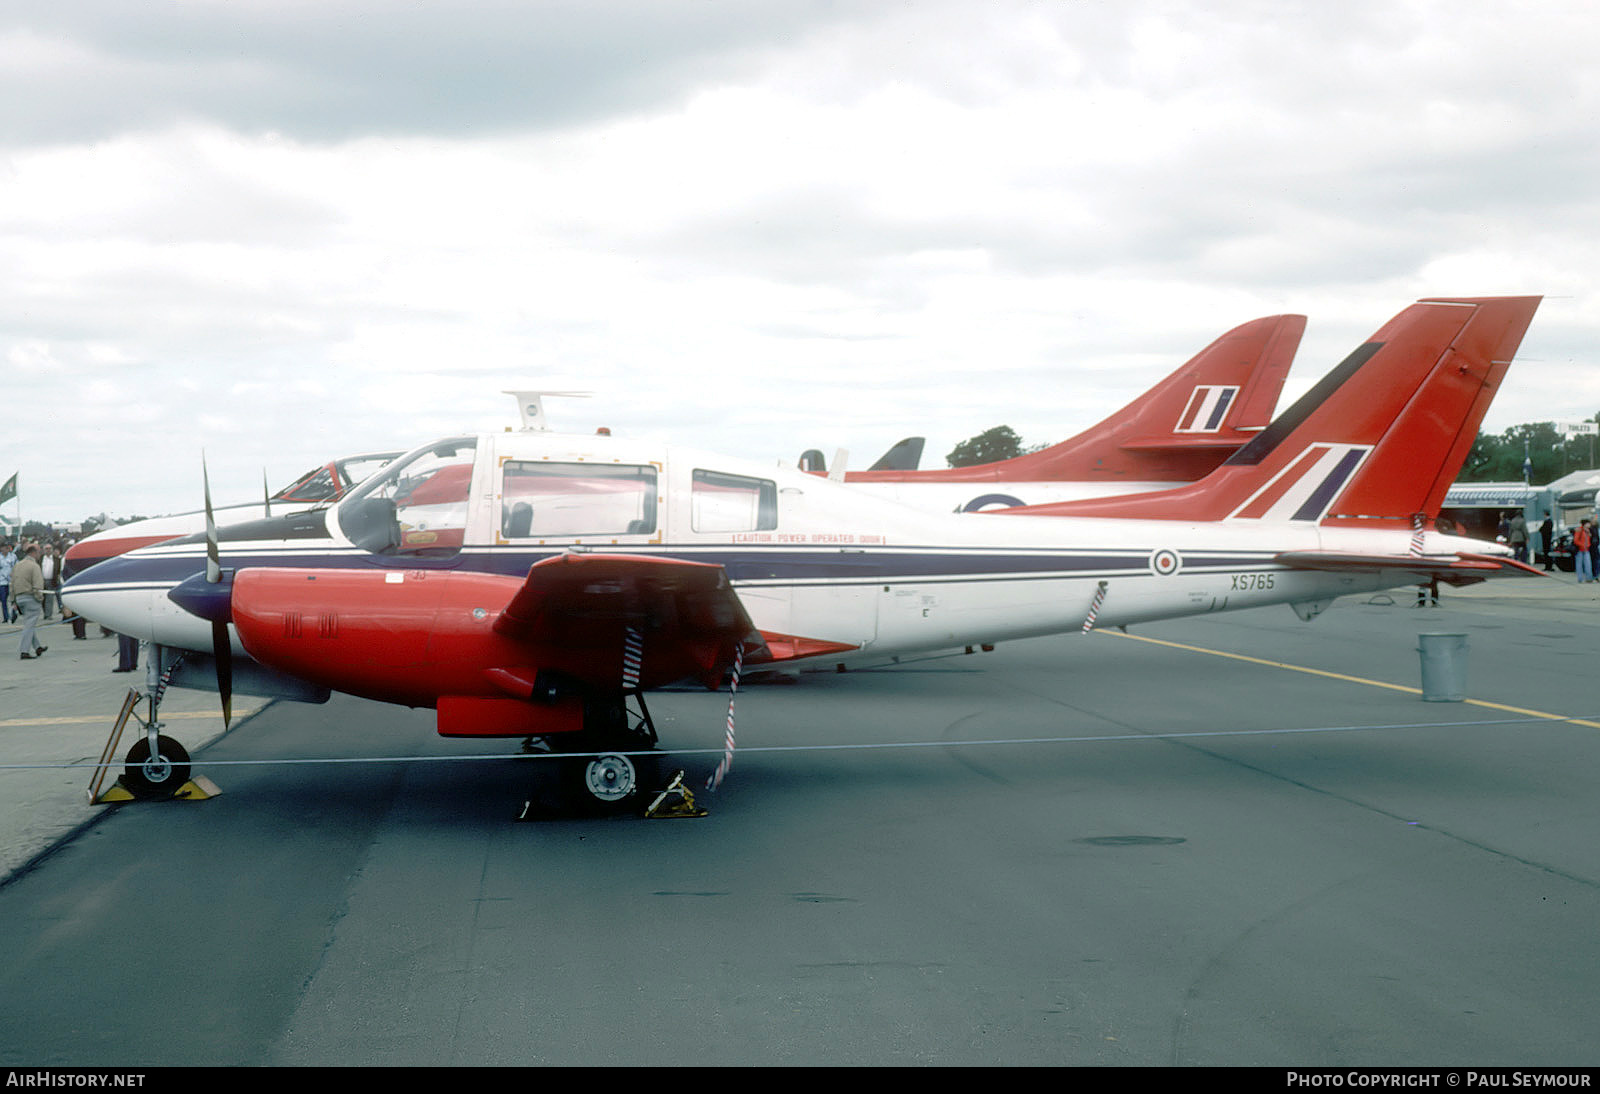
x: 755, y: 563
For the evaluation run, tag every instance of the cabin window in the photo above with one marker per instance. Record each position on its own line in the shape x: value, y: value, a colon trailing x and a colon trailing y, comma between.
x: 550, y: 500
x: 732, y: 503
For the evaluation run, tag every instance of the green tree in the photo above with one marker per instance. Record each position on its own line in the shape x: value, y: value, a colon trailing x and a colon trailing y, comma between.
x: 999, y: 443
x: 1498, y: 457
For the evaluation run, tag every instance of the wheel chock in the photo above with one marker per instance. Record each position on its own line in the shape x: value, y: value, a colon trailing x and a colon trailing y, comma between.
x: 197, y: 789
x: 683, y: 807
x: 114, y: 794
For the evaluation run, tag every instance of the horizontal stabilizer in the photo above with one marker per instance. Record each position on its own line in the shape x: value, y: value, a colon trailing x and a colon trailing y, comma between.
x: 1173, y: 443
x: 1460, y: 569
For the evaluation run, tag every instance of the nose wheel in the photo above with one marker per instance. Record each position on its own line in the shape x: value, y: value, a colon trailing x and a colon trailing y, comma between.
x: 158, y: 773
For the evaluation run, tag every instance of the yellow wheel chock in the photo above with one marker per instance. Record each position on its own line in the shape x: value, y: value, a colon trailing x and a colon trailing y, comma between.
x: 683, y: 807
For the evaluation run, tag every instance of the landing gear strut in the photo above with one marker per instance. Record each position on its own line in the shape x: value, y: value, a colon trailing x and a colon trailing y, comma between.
x: 609, y: 767
x: 157, y: 767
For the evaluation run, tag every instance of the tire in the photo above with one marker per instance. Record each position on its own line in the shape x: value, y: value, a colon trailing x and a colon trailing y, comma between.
x: 163, y: 777
x: 610, y: 783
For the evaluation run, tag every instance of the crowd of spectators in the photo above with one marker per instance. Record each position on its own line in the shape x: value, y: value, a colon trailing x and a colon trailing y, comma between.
x: 51, y: 551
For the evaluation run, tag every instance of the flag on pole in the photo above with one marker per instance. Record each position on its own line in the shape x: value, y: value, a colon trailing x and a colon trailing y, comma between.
x: 9, y: 490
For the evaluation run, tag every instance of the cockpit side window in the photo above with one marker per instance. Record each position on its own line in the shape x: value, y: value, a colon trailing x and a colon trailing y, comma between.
x: 548, y: 499
x: 720, y: 502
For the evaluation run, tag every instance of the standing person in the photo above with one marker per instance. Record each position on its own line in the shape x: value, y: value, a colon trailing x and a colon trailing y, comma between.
x: 27, y: 583
x: 127, y: 653
x: 50, y: 563
x: 8, y: 559
x: 1519, y: 537
x: 1547, y: 538
x: 1582, y: 540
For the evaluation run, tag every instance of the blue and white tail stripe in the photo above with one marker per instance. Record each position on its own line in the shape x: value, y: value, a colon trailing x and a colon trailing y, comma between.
x: 1207, y: 409
x: 1308, y: 486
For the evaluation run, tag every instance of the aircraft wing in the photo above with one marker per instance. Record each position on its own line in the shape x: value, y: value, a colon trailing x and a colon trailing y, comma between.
x: 1460, y: 569
x: 685, y: 613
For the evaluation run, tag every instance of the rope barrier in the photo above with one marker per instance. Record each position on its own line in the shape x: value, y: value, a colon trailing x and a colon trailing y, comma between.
x: 873, y: 746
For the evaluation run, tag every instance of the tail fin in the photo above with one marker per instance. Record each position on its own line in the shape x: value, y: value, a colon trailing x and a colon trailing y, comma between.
x: 904, y: 456
x: 1178, y: 431
x: 1377, y: 440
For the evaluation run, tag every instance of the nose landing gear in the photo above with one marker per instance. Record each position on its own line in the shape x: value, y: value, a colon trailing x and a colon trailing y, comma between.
x: 157, y: 767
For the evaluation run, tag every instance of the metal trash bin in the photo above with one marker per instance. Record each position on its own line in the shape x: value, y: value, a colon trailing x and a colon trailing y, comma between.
x: 1444, y: 667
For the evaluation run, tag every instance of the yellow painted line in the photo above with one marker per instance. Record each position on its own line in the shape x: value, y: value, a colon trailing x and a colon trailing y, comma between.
x: 165, y: 717
x: 1344, y: 676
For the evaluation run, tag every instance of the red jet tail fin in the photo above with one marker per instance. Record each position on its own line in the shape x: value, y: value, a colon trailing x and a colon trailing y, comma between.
x: 1379, y: 439
x: 1220, y: 399
x: 1178, y: 431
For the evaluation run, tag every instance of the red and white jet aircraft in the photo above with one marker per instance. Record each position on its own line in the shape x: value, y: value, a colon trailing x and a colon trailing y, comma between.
x: 533, y: 583
x: 1178, y: 431
x: 322, y: 485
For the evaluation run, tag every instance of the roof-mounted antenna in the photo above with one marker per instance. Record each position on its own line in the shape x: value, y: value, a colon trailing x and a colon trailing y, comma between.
x: 531, y: 405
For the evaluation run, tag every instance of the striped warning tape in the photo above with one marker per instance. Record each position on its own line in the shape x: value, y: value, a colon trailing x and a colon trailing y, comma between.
x: 727, y: 747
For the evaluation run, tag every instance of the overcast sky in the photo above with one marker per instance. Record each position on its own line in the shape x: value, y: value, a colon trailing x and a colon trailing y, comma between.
x: 284, y: 230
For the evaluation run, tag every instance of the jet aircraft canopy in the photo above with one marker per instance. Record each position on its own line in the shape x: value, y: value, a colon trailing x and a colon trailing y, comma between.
x: 333, y: 480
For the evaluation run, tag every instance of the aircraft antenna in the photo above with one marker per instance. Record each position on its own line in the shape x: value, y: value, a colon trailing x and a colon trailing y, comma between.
x: 530, y: 404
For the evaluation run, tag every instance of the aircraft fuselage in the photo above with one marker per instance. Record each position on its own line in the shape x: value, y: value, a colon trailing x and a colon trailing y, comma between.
x: 849, y: 576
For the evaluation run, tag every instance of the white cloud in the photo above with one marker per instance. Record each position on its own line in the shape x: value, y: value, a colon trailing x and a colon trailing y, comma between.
x: 267, y: 230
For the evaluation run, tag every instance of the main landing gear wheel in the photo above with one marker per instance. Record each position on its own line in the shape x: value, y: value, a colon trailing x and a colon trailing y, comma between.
x: 610, y: 778
x: 158, y: 776
x: 607, y: 767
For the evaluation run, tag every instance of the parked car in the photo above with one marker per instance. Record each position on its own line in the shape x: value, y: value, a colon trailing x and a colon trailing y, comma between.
x: 1561, y: 553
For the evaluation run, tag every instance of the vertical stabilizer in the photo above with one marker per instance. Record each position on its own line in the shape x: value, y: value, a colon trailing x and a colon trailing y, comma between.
x: 1379, y: 439
x: 1178, y: 431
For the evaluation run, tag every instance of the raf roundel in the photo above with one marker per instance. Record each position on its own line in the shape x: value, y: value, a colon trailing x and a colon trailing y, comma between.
x: 1165, y: 563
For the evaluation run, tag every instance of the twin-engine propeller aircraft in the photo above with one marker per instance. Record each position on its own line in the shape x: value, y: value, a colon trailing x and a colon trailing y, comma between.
x: 322, y: 485
x: 533, y: 583
x: 1178, y: 431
